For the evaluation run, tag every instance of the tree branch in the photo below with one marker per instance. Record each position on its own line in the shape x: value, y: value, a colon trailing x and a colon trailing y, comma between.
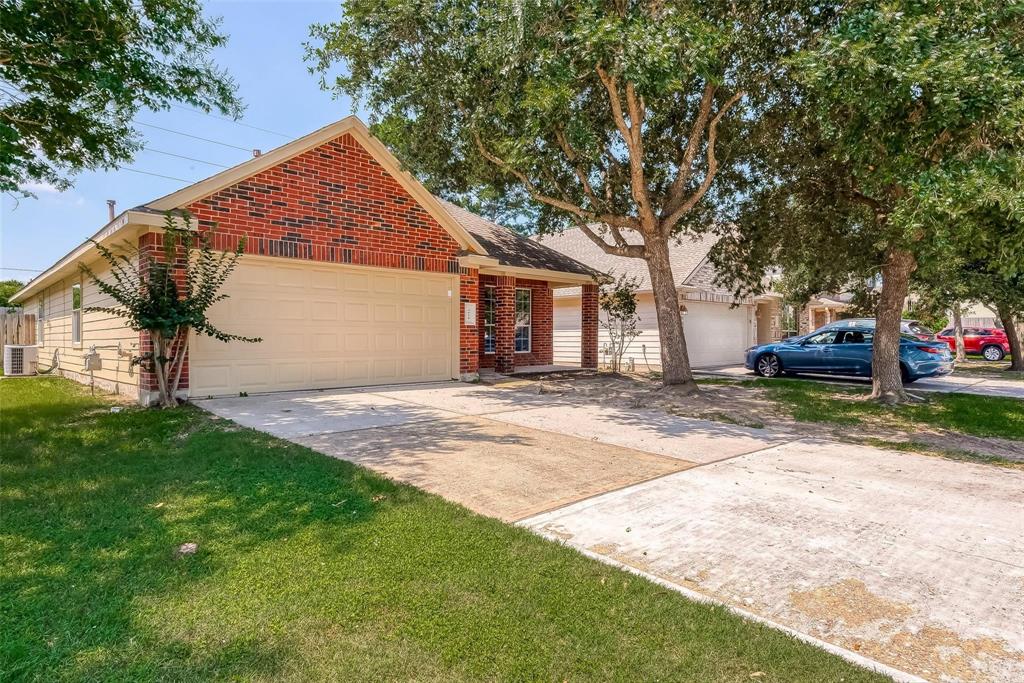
x: 670, y: 221
x: 685, y: 170
x: 632, y: 136
x: 629, y: 250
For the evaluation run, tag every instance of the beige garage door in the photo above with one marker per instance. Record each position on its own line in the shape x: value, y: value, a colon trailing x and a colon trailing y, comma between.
x: 325, y: 325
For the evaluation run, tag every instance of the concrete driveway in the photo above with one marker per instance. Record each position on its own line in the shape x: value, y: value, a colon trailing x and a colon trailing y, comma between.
x: 950, y: 384
x: 914, y: 561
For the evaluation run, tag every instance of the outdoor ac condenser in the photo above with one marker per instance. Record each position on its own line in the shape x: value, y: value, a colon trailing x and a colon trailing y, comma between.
x: 20, y: 361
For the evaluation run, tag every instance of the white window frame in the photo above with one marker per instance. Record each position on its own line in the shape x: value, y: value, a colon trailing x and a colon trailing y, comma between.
x: 41, y: 321
x: 528, y: 325
x: 76, y: 315
x: 492, y: 292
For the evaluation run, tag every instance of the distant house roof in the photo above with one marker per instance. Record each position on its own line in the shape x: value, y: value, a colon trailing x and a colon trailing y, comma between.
x: 513, y: 249
x: 686, y: 254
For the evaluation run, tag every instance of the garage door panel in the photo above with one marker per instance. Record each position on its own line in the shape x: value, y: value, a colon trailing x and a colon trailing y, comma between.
x: 326, y: 326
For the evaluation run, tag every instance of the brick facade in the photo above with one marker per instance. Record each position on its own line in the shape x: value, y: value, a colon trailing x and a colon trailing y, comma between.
x: 541, y: 320
x: 151, y: 249
x: 589, y: 327
x: 470, y: 336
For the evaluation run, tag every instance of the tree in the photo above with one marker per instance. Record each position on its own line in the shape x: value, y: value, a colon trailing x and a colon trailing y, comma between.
x: 900, y: 115
x: 8, y: 288
x: 73, y: 74
x: 168, y: 297
x: 618, y: 118
x: 618, y: 301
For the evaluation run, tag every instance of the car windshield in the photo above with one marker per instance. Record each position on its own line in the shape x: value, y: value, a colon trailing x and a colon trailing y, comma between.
x: 919, y: 329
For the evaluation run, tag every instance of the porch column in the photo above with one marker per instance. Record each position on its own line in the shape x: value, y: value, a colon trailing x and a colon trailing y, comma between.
x: 588, y: 336
x: 469, y: 318
x: 505, y: 324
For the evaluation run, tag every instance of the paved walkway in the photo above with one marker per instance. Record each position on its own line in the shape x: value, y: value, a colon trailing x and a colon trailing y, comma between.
x: 912, y: 561
x: 963, y: 384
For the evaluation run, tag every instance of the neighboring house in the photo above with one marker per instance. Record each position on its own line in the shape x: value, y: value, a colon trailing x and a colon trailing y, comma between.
x: 822, y: 310
x: 718, y: 327
x: 979, y: 315
x: 353, y: 275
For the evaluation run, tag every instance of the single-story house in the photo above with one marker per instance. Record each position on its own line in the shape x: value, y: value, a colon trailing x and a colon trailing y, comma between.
x: 822, y: 310
x: 353, y: 274
x: 718, y: 326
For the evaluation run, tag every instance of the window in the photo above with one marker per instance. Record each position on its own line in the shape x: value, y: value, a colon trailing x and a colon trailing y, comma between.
x: 40, y: 322
x: 489, y: 318
x: 524, y: 301
x: 76, y: 314
x: 822, y: 338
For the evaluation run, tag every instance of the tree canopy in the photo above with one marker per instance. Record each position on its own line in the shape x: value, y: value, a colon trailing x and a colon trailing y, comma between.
x: 617, y: 118
x: 73, y: 75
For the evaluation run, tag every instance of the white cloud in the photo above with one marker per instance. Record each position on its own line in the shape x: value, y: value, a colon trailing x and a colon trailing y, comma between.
x: 41, y: 188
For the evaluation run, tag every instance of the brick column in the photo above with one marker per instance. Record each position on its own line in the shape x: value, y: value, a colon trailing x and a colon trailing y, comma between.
x: 505, y: 324
x: 469, y: 335
x: 151, y: 249
x: 588, y: 338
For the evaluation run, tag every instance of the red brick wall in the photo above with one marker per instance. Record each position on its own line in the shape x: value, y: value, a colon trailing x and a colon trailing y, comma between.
x: 469, y: 348
x: 541, y: 343
x: 151, y: 248
x: 333, y: 203
x: 588, y: 336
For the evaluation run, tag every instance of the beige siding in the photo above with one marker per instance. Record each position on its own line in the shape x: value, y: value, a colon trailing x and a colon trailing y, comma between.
x: 715, y: 333
x: 98, y: 329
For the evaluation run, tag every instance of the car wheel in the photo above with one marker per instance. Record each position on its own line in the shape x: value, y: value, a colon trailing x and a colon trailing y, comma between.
x: 993, y: 353
x: 768, y: 365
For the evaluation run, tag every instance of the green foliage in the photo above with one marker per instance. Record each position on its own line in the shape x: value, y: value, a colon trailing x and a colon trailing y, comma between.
x: 146, y: 290
x: 9, y: 288
x: 618, y: 301
x: 73, y: 74
x: 310, y: 568
x: 905, y: 119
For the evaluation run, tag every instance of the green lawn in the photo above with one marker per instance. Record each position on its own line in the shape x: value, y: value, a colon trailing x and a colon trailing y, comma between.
x: 970, y: 414
x: 308, y: 568
x: 975, y: 366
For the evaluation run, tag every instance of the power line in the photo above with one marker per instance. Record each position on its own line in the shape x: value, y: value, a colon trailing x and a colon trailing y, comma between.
x: 182, y: 156
x: 230, y: 120
x: 158, y: 175
x: 195, y: 137
x: 26, y: 270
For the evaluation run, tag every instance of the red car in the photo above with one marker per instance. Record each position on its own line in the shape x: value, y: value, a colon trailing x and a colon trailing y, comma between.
x: 990, y: 342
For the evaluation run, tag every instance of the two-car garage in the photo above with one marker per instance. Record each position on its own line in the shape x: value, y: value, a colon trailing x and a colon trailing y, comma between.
x: 327, y: 325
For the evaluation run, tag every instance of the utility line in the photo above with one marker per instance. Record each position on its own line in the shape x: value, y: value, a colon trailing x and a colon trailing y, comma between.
x: 158, y: 175
x: 182, y: 156
x: 230, y: 120
x: 195, y: 137
x: 27, y: 270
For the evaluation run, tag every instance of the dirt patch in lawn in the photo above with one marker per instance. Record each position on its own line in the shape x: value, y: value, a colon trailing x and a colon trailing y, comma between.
x: 744, y: 403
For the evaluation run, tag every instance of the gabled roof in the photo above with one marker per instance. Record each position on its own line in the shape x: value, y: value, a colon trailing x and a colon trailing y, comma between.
x: 686, y: 255
x: 512, y: 249
x: 350, y: 125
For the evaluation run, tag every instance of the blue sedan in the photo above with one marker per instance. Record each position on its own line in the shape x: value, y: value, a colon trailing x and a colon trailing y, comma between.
x: 846, y: 352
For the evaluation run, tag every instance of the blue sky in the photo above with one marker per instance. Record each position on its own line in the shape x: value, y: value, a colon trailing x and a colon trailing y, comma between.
x: 264, y: 55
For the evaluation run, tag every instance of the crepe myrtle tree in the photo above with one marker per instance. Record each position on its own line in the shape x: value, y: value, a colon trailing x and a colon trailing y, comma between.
x: 899, y: 119
x: 617, y: 117
x: 168, y: 298
x: 618, y: 303
x: 73, y: 75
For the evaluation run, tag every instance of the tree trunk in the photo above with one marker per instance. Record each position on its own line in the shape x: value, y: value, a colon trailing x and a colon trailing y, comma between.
x: 160, y: 367
x: 675, y: 362
x: 886, y: 374
x: 958, y: 332
x: 1013, y: 336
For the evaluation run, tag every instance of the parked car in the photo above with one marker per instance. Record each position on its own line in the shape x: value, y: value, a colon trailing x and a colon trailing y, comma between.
x: 846, y: 351
x: 911, y: 327
x: 990, y: 342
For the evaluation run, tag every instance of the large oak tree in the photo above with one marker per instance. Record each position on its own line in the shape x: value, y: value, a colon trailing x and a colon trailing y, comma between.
x: 73, y: 74
x: 617, y: 117
x: 899, y: 121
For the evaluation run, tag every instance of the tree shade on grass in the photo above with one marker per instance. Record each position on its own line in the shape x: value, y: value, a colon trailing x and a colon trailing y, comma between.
x: 308, y: 568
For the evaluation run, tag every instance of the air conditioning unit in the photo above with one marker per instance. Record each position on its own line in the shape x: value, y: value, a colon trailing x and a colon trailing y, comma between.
x: 20, y: 361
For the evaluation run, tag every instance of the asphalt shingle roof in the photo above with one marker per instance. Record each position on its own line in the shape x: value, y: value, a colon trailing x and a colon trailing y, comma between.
x: 686, y: 254
x: 513, y: 249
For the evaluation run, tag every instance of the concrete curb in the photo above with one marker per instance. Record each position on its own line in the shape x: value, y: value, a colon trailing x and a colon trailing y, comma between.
x: 848, y: 655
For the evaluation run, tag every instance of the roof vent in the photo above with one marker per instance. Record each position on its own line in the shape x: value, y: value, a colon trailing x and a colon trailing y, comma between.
x: 257, y: 152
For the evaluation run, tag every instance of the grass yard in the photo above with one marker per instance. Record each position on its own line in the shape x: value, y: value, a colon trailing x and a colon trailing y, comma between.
x: 975, y: 366
x: 308, y: 568
x: 971, y: 414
